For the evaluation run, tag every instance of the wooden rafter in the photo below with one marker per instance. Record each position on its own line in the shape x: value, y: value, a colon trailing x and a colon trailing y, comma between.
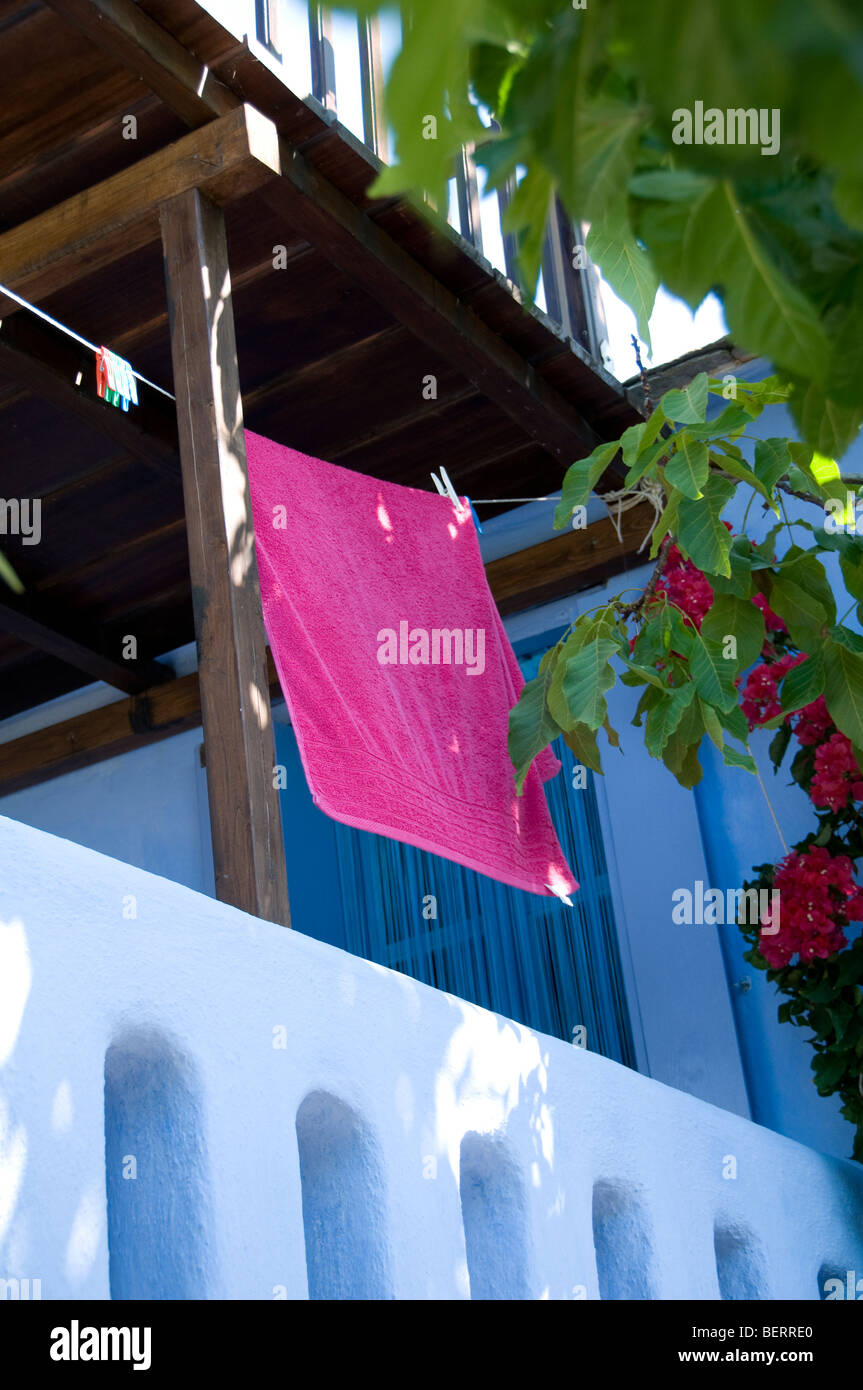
x: 39, y: 627
x: 352, y: 240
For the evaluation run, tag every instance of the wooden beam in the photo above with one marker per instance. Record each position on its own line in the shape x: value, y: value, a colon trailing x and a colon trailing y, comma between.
x: 228, y: 157
x: 36, y: 626
x: 348, y: 237
x: 106, y: 732
x: 248, y: 850
x: 47, y: 363
x: 128, y: 34
x: 572, y: 561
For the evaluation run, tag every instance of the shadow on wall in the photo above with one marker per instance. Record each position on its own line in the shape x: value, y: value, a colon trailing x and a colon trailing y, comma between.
x: 623, y: 1241
x: 494, y: 1213
x: 741, y: 1268
x: 156, y: 1172
x: 344, y: 1202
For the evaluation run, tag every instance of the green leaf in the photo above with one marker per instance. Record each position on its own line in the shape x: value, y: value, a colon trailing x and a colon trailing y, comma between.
x: 712, y: 674
x: 588, y: 675
x: 851, y: 565
x: 582, y: 742
x: 711, y: 241
x: 626, y: 266
x: 667, y: 521
x: 821, y: 473
x: 779, y: 745
x: 711, y: 723
x: 726, y: 425
x: 606, y: 137
x: 649, y: 697
x: 672, y: 185
x: 664, y: 718
x: 803, y: 684
x: 804, y: 616
x: 843, y: 689
x: 734, y: 722
x: 848, y: 637
x: 700, y: 531
x: 689, y: 465
x: 8, y: 575
x: 645, y: 462
x: 732, y: 758
x: 531, y: 727
x: 681, y: 757
x: 580, y: 479
x: 772, y: 461
x: 829, y: 427
x: 646, y: 676
x: 630, y: 442
x: 740, y: 581
x: 848, y: 197
x: 689, y: 405
x: 526, y: 216
x: 806, y: 570
x: 730, y: 616
x: 730, y: 463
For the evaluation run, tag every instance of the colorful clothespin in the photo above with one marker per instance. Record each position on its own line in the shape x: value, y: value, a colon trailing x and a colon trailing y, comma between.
x: 101, y: 374
x: 474, y: 515
x: 115, y: 381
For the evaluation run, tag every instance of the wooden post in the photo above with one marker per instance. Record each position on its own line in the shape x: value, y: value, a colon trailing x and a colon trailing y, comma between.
x: 248, y: 850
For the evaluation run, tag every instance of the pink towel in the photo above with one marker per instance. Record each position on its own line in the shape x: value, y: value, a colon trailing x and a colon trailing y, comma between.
x: 395, y: 666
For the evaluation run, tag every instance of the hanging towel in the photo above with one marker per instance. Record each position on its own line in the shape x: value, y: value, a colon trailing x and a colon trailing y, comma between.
x: 395, y: 666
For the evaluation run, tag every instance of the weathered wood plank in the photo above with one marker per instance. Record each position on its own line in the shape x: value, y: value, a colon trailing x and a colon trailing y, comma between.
x: 571, y: 561
x: 248, y: 850
x: 228, y: 157
x: 106, y: 733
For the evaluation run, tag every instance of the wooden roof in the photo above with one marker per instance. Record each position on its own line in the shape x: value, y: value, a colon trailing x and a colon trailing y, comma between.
x: 332, y: 355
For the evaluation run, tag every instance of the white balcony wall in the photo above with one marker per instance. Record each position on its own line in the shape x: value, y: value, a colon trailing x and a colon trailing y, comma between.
x: 239, y: 1111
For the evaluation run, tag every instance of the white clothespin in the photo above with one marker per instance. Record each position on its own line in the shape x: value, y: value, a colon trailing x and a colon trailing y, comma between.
x: 133, y: 386
x: 559, y: 893
x: 446, y: 489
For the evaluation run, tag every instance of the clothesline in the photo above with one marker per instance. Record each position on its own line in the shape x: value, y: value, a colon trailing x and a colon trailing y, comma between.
x: 70, y: 333
x: 487, y: 501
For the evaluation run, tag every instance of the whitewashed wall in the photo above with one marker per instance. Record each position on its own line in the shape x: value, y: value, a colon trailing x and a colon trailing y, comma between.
x: 578, y: 1177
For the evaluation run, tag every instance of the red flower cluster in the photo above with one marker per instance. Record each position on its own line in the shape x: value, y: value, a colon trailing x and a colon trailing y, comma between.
x: 685, y: 586
x: 812, y: 723
x: 772, y: 621
x: 760, y: 694
x: 837, y: 776
x: 817, y: 899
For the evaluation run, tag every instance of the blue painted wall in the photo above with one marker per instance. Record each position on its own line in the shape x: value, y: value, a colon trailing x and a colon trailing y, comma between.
x: 146, y: 808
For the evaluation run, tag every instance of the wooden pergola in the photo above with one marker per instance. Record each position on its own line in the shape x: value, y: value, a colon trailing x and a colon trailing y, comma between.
x: 229, y: 251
